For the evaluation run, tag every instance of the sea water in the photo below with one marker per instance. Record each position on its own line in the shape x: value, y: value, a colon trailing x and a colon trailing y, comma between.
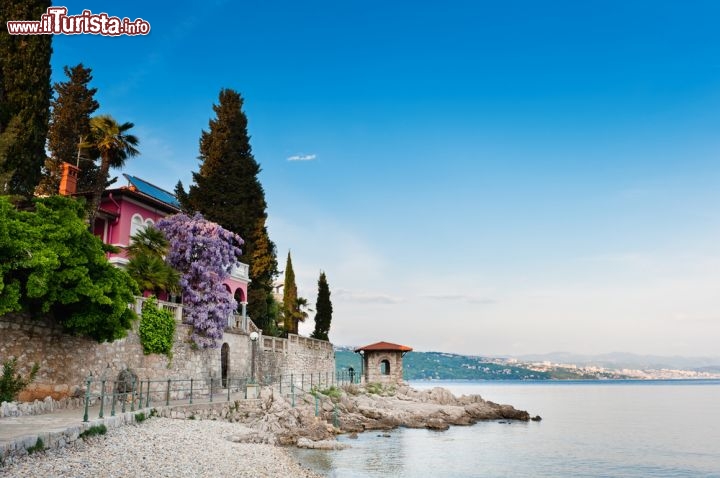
x: 588, y: 429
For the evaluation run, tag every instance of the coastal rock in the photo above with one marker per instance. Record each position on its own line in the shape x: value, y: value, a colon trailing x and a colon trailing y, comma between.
x: 321, y: 444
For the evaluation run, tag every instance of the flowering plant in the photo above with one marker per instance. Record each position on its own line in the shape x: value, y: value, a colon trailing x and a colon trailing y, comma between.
x: 204, y: 253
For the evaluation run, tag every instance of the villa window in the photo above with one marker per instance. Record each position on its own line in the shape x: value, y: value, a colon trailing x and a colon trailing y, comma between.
x: 136, y: 225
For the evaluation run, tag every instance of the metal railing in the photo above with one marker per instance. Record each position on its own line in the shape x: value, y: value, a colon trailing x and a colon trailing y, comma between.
x: 313, y: 387
x: 120, y: 396
x: 137, y: 394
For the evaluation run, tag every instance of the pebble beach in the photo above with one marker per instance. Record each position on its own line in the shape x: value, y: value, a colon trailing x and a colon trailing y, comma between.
x: 162, y: 447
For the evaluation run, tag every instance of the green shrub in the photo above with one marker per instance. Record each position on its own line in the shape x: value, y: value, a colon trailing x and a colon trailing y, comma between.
x: 38, y: 446
x: 12, y: 383
x: 140, y: 417
x: 376, y: 388
x: 157, y: 329
x: 94, y: 430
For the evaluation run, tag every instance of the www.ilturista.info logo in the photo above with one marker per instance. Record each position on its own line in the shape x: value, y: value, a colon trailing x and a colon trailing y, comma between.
x: 57, y: 21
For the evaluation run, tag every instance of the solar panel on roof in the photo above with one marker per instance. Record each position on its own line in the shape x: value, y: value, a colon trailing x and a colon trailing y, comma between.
x: 153, y: 191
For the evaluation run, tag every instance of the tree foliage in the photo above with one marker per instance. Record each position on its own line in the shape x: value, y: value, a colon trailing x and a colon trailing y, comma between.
x: 324, y: 309
x: 147, y: 251
x: 69, y: 129
x: 11, y: 382
x: 295, y: 308
x: 203, y: 253
x: 157, y: 329
x: 52, y: 264
x: 110, y: 141
x: 24, y: 98
x: 227, y: 191
x: 290, y: 298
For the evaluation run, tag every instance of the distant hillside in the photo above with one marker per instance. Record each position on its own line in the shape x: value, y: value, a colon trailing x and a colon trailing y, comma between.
x: 445, y: 366
x: 619, y: 360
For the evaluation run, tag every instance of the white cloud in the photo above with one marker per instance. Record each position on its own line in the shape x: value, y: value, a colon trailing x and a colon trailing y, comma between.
x: 472, y: 299
x: 366, y: 298
x: 302, y: 157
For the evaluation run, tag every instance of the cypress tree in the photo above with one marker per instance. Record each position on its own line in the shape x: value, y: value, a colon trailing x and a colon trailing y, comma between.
x: 69, y: 128
x: 290, y: 298
x: 24, y: 98
x: 323, y: 310
x: 227, y: 191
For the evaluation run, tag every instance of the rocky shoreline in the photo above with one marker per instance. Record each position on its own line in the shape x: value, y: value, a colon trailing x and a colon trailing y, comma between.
x: 355, y: 409
x: 238, y: 440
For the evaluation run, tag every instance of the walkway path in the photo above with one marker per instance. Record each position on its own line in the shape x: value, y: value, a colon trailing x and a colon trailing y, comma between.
x: 60, y: 427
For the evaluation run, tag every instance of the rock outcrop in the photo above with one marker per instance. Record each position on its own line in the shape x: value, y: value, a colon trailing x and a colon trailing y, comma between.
x: 353, y: 409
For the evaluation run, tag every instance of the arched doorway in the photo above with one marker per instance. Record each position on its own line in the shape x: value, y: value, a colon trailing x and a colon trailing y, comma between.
x: 385, y: 367
x: 225, y: 363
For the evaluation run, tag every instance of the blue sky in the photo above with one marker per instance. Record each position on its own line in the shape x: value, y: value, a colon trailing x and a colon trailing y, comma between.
x: 486, y: 177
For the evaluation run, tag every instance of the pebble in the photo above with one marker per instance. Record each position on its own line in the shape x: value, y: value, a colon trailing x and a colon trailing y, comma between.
x: 162, y: 447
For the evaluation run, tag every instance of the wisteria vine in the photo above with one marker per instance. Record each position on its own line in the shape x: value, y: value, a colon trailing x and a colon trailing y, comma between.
x: 204, y: 253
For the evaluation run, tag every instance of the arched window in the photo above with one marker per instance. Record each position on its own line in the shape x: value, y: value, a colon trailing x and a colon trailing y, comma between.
x: 149, y: 223
x: 136, y: 225
x: 385, y: 367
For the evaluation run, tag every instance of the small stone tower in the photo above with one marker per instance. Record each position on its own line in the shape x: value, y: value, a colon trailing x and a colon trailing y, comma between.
x: 382, y: 362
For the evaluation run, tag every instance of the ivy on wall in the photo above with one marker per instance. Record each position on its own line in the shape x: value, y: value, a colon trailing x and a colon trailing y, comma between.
x: 157, y: 329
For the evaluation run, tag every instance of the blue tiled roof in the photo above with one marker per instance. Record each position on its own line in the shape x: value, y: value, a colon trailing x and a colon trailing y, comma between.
x: 153, y: 191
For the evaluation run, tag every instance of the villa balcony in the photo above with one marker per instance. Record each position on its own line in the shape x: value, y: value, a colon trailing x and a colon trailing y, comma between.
x: 240, y: 271
x: 175, y: 309
x: 236, y: 322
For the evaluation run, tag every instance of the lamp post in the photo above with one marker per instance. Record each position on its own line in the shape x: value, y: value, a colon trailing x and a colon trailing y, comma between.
x: 253, y: 338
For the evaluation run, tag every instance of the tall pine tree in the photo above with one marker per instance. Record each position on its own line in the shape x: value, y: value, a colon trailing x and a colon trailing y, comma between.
x: 323, y: 310
x: 69, y: 128
x: 227, y: 191
x: 24, y: 98
x: 290, y: 299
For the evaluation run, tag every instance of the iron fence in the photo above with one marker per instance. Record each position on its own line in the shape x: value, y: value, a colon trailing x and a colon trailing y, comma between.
x: 113, y: 396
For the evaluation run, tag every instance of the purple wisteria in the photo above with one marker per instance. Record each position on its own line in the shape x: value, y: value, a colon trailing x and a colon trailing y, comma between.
x: 203, y: 253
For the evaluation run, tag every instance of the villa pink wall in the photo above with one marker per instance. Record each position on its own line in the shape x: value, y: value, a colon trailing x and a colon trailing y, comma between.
x: 234, y: 285
x: 118, y: 232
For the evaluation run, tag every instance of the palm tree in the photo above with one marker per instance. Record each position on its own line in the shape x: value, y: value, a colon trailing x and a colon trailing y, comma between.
x: 110, y: 141
x: 149, y: 240
x: 147, y: 262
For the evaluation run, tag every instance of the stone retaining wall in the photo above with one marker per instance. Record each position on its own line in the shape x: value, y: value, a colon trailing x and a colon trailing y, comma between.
x: 67, y: 361
x: 38, y: 407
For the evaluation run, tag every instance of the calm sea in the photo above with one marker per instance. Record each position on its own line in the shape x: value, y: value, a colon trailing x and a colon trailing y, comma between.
x: 589, y: 429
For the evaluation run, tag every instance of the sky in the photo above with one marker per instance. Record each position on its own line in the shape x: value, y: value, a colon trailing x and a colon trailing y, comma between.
x: 485, y: 178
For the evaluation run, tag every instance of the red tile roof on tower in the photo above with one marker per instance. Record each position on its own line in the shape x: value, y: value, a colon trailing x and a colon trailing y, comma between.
x: 384, y: 346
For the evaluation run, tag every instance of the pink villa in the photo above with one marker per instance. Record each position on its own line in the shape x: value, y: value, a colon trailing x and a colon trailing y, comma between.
x: 126, y: 210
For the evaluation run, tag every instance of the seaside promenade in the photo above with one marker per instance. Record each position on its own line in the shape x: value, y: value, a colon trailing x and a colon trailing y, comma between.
x: 58, y: 428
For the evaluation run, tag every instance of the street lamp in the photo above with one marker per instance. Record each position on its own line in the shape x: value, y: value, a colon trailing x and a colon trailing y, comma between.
x: 253, y: 338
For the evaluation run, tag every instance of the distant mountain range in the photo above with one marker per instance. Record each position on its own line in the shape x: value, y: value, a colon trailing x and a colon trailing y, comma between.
x: 620, y: 360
